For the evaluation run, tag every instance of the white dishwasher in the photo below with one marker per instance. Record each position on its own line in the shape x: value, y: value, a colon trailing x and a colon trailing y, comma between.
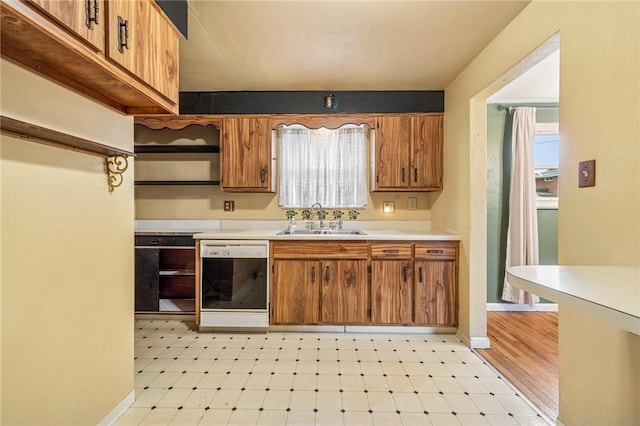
x: 234, y: 283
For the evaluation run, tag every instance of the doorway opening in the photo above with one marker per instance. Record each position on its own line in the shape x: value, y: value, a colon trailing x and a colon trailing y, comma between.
x: 524, y: 337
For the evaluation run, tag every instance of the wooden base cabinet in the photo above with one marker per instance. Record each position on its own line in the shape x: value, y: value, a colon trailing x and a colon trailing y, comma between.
x: 295, y: 294
x: 319, y: 282
x: 391, y: 283
x: 436, y: 273
x: 344, y: 292
x: 364, y: 283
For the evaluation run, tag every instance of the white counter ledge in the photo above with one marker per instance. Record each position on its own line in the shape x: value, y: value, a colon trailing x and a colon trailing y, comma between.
x: 610, y: 293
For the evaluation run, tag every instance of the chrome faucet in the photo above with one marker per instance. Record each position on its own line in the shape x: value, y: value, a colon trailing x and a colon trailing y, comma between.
x: 320, y: 213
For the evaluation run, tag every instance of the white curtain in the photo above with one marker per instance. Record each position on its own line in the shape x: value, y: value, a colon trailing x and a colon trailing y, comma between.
x: 326, y: 166
x: 522, y: 234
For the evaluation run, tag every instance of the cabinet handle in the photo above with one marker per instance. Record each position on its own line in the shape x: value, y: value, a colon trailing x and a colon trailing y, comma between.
x: 313, y: 274
x: 391, y: 251
x: 327, y: 274
x: 435, y: 251
x: 123, y: 34
x: 420, y: 279
x: 263, y: 174
x: 415, y: 174
x: 402, y: 172
x: 154, y: 242
x: 405, y: 273
x: 92, y: 13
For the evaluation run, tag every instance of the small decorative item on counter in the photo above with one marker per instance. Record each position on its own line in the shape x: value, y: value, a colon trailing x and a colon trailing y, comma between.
x: 353, y: 214
x: 306, y: 214
x: 291, y: 214
x: 337, y: 214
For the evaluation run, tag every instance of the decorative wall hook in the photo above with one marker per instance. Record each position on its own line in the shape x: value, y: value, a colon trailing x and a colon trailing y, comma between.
x: 116, y: 166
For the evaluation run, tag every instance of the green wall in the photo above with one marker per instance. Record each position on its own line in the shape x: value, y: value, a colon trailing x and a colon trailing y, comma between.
x: 498, y: 166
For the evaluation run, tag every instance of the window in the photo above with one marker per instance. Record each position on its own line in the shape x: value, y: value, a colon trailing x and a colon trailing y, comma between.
x: 326, y: 166
x: 546, y: 157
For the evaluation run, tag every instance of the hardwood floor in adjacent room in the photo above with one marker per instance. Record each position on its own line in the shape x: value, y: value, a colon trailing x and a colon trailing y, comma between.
x: 524, y: 349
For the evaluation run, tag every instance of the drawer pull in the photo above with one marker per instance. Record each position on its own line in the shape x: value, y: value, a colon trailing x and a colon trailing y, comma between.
x: 123, y: 34
x: 435, y: 251
x: 391, y: 251
x: 92, y: 13
x: 154, y: 242
x: 313, y: 274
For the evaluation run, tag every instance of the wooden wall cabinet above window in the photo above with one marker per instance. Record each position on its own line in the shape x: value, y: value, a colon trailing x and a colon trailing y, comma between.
x: 407, y: 153
x: 123, y: 54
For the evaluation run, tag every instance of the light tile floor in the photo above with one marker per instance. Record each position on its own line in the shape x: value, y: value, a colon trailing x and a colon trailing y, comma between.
x: 187, y: 378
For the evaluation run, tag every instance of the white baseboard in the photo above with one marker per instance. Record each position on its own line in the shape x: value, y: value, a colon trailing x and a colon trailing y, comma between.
x: 517, y: 307
x: 474, y: 342
x: 118, y: 410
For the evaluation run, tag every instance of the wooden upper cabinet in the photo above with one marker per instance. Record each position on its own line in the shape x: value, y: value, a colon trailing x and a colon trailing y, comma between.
x: 78, y: 44
x: 408, y: 153
x: 141, y: 42
x: 426, y: 152
x: 392, y: 143
x: 86, y: 19
x: 245, y: 155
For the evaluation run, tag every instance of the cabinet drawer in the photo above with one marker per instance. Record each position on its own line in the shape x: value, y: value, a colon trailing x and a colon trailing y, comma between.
x: 155, y: 240
x: 439, y: 250
x: 391, y: 250
x: 320, y: 250
x: 185, y: 241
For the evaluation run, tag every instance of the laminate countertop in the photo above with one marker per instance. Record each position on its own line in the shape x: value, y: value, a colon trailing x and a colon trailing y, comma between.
x: 369, y: 234
x: 610, y: 293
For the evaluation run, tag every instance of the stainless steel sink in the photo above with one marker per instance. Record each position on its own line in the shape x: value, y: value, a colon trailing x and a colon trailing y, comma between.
x: 322, y: 232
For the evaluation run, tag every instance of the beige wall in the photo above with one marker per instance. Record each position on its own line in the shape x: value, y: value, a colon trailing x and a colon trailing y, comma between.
x: 599, y: 110
x: 196, y: 202
x: 67, y: 263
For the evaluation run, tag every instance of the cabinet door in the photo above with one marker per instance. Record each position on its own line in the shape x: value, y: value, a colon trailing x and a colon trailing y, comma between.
x: 295, y: 293
x: 245, y: 155
x: 435, y: 292
x: 426, y: 152
x: 392, y: 144
x: 391, y: 292
x: 344, y: 292
x: 85, y: 18
x: 144, y: 43
x: 147, y: 272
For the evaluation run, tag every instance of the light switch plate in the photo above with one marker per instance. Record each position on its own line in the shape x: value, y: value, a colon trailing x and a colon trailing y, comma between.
x: 229, y: 205
x: 587, y: 173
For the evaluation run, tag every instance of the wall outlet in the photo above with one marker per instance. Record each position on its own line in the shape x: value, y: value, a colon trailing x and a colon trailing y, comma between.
x: 412, y: 203
x: 229, y: 205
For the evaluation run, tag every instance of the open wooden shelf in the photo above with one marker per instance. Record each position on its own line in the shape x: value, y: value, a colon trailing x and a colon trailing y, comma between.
x: 176, y: 149
x: 176, y: 182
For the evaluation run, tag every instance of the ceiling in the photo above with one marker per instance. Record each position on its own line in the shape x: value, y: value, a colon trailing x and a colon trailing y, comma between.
x: 336, y: 45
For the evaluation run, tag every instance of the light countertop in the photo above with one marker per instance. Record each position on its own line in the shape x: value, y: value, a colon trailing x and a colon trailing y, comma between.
x: 269, y: 229
x: 610, y: 293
